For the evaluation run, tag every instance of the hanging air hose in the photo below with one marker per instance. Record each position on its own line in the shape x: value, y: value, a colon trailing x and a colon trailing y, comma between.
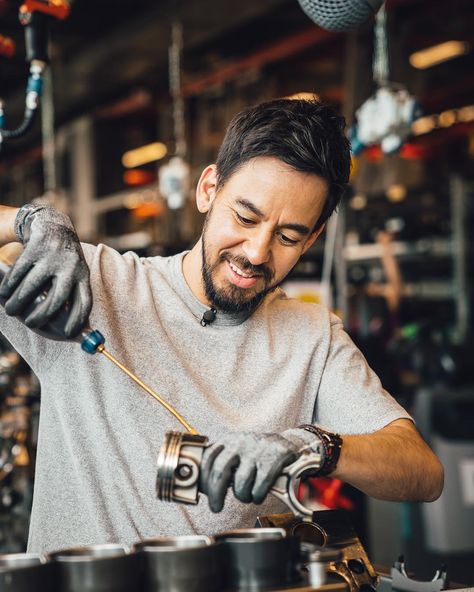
x: 35, y: 16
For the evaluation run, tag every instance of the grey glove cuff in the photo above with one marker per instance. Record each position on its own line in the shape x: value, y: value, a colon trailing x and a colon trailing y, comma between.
x: 28, y: 212
x: 305, y: 441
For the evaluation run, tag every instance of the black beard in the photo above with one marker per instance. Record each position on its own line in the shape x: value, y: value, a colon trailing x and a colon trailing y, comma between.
x: 232, y: 299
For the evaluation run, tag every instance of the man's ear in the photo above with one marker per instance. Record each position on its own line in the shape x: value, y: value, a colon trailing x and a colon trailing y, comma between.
x: 312, y: 237
x: 206, y: 188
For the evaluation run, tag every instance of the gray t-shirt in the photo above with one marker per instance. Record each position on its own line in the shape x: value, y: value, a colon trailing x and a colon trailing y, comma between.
x: 288, y: 363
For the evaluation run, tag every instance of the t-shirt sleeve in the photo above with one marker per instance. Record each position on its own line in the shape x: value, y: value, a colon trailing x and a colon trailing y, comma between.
x: 351, y: 399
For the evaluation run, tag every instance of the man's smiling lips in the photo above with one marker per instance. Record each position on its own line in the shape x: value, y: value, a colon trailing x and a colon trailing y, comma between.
x: 240, y: 278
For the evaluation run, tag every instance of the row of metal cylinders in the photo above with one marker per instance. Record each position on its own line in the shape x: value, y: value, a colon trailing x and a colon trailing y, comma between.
x: 256, y: 560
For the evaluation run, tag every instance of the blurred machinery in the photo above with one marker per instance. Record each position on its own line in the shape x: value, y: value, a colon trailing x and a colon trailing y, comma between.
x: 19, y: 413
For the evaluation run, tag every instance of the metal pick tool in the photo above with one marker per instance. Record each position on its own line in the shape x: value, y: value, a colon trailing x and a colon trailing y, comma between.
x: 179, y: 464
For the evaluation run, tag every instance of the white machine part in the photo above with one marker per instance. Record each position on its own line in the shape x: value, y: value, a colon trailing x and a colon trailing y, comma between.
x: 174, y: 182
x: 385, y: 119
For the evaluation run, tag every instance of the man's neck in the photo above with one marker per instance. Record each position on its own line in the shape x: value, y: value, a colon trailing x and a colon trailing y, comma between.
x: 192, y: 271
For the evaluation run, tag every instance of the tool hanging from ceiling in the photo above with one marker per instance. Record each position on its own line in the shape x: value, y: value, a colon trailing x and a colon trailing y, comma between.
x: 36, y: 17
x: 387, y: 116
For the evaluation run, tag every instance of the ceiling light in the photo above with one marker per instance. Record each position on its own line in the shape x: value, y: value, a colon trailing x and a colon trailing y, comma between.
x: 447, y: 118
x: 438, y: 53
x: 466, y: 113
x: 144, y: 155
x: 423, y: 125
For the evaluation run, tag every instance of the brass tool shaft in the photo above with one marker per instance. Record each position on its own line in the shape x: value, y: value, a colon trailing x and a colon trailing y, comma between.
x: 101, y: 349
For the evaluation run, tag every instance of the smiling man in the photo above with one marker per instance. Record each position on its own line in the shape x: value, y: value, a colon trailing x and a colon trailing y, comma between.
x: 253, y: 234
x: 264, y: 376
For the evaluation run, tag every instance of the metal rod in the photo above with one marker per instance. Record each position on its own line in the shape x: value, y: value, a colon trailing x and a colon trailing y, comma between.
x: 101, y: 349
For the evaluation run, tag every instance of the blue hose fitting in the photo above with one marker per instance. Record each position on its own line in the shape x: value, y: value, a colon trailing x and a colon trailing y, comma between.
x: 35, y: 84
x: 91, y: 342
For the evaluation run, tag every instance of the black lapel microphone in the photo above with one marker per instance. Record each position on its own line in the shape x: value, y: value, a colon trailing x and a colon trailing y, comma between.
x: 208, y: 317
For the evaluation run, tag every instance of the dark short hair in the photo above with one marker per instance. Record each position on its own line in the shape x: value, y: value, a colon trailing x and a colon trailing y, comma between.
x: 305, y: 134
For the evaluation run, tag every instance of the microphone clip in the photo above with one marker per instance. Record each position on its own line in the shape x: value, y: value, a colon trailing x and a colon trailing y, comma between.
x: 208, y: 317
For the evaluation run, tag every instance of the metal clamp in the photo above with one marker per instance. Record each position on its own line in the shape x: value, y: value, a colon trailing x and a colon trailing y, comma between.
x: 179, y: 464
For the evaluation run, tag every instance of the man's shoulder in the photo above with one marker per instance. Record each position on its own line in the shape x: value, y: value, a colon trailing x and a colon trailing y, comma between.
x: 296, y: 309
x: 109, y: 261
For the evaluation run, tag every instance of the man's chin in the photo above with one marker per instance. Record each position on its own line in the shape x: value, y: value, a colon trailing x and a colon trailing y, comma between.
x: 234, y: 300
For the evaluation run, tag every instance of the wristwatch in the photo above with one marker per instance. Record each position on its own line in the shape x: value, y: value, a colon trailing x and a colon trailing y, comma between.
x: 331, y: 445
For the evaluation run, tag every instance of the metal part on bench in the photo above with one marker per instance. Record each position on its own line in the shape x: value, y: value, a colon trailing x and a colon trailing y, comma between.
x: 331, y: 528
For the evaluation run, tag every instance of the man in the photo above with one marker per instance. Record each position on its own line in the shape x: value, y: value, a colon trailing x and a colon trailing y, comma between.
x: 264, y: 365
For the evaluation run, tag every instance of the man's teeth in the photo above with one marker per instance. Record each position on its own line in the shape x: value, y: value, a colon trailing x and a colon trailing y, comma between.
x: 239, y: 271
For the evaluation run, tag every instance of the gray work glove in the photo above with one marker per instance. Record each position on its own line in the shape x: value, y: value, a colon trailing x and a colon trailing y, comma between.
x: 52, y: 260
x: 251, y: 463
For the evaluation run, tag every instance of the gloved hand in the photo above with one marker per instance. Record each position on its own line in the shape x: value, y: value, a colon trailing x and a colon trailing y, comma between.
x: 52, y: 260
x: 251, y: 463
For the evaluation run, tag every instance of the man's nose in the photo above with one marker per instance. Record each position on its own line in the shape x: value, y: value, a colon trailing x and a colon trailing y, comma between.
x: 257, y: 248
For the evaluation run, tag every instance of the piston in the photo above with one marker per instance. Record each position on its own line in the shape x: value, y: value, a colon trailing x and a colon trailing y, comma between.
x: 179, y: 464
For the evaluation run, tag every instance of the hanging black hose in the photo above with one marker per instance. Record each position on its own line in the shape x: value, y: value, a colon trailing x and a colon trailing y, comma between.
x: 26, y: 124
x: 35, y: 16
x: 33, y: 93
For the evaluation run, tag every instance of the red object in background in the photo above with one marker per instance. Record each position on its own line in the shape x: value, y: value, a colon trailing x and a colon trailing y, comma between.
x: 134, y: 177
x: 413, y: 152
x: 374, y: 153
x: 7, y: 47
x: 325, y: 491
x: 57, y: 8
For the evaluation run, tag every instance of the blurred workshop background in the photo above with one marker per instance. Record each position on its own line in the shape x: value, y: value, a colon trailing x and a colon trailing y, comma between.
x: 135, y: 104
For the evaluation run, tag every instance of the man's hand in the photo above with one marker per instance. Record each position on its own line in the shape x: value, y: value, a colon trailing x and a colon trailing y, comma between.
x: 52, y: 260
x: 249, y: 462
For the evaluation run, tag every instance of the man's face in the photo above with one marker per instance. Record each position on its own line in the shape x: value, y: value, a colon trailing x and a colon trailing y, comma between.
x: 257, y: 227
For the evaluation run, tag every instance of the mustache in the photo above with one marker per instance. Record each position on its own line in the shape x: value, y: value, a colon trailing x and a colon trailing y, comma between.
x: 247, y: 267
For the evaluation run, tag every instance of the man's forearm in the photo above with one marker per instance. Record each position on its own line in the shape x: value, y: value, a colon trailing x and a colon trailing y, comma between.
x: 7, y: 224
x: 392, y: 464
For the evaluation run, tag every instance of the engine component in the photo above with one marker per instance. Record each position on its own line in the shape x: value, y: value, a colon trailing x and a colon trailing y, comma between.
x: 400, y: 581
x: 260, y: 559
x: 25, y: 572
x: 318, y: 561
x: 179, y: 463
x: 182, y: 564
x: 331, y: 529
x: 95, y: 568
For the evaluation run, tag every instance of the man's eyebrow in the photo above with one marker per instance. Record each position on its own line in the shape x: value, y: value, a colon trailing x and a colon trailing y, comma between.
x: 248, y: 205
x: 299, y: 228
